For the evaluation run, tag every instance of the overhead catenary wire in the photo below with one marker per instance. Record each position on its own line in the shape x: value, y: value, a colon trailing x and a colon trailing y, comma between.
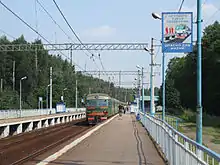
x: 74, y: 32
x: 45, y: 10
x: 206, y: 23
x: 194, y: 19
x: 7, y: 34
x: 101, y: 62
x: 36, y: 23
x: 70, y: 25
x: 22, y: 20
x: 92, y: 57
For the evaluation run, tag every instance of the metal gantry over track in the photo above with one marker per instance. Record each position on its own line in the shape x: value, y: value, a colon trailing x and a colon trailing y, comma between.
x: 73, y: 46
x: 112, y: 72
x: 116, y: 73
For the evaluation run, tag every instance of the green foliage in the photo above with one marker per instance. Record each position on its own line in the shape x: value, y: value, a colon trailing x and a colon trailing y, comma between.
x: 181, y: 80
x: 35, y: 85
x: 9, y: 100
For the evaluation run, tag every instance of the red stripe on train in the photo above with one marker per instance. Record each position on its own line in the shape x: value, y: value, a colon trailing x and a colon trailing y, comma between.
x: 91, y: 118
x: 103, y: 118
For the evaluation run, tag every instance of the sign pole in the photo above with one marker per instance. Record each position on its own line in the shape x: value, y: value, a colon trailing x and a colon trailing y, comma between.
x: 163, y: 86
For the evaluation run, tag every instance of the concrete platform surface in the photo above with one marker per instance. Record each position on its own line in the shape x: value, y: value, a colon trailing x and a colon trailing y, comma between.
x: 122, y: 141
x: 13, y: 120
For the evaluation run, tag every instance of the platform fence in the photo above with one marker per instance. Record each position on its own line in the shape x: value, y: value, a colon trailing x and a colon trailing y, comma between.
x: 176, y: 147
x: 7, y: 114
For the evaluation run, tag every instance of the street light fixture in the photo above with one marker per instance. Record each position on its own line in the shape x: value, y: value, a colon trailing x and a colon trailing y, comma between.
x: 138, y: 66
x: 147, y: 49
x: 156, y: 16
x: 63, y: 92
x: 23, y: 78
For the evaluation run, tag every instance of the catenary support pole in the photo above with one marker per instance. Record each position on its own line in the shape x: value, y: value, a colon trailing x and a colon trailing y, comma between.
x: 51, y: 73
x: 20, y: 95
x: 199, y: 74
x: 76, y: 96
x: 152, y: 110
x: 143, y: 90
x: 13, y: 75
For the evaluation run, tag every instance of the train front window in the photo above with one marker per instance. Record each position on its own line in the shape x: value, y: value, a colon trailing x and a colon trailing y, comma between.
x: 91, y: 103
x: 102, y: 103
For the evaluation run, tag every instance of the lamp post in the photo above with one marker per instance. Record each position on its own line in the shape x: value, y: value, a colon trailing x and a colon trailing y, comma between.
x: 63, y: 92
x: 157, y: 16
x: 47, y: 95
x: 23, y: 78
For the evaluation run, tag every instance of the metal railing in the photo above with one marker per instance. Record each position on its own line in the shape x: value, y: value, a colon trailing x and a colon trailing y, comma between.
x: 171, y: 120
x: 8, y: 114
x: 177, y: 148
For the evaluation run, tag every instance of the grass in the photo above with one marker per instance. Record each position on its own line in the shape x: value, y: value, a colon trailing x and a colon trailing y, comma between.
x: 211, y: 131
x: 216, y: 141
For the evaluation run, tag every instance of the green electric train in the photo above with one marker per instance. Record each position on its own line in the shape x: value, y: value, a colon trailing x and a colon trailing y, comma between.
x: 100, y: 107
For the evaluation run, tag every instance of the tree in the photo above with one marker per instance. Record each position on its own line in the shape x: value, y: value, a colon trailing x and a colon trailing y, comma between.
x: 181, y: 75
x: 38, y: 79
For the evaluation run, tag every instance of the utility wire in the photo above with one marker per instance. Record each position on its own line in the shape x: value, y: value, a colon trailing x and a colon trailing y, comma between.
x: 211, y: 16
x: 7, y: 34
x: 92, y: 57
x: 73, y: 31
x: 181, y: 5
x: 194, y: 19
x: 23, y: 21
x: 35, y: 7
x: 101, y: 63
x: 45, y: 10
x: 69, y: 25
x: 33, y: 29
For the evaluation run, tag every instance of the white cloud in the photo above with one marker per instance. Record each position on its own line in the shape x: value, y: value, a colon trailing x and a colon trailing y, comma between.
x: 100, y: 32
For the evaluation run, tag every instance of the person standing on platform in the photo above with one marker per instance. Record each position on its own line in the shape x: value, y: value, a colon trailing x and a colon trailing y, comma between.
x: 120, y: 111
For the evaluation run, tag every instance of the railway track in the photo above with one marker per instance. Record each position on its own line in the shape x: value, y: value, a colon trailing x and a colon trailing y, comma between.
x: 23, y: 149
x: 13, y: 140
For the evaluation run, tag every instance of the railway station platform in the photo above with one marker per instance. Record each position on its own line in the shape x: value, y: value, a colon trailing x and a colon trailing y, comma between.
x: 21, y: 119
x: 15, y: 126
x: 121, y: 141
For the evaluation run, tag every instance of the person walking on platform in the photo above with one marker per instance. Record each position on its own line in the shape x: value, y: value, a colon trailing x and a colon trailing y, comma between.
x: 120, y: 111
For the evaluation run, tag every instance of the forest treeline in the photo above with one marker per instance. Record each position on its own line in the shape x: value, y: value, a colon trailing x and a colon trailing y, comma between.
x: 35, y: 85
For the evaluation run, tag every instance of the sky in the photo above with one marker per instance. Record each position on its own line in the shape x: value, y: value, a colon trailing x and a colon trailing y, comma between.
x: 103, y: 21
